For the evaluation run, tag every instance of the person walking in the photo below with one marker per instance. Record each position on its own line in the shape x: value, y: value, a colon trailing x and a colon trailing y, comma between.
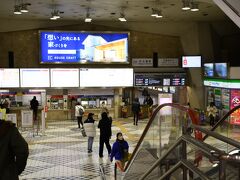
x: 79, y: 112
x: 2, y: 112
x: 120, y: 150
x: 212, y: 112
x: 90, y: 130
x: 135, y: 109
x: 105, y: 133
x: 34, y: 106
x: 13, y: 152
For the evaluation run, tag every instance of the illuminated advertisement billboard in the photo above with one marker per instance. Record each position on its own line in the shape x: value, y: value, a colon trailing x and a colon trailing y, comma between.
x: 83, y: 47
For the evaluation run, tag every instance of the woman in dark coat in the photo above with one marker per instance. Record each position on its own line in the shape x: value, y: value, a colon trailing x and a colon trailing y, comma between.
x: 136, y: 110
x: 105, y: 133
x: 13, y: 151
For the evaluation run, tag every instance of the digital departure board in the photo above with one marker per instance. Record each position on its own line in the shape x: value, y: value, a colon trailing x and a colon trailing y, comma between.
x: 160, y: 79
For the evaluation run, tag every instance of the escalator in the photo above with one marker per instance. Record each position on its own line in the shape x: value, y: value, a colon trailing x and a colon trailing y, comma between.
x: 172, y: 147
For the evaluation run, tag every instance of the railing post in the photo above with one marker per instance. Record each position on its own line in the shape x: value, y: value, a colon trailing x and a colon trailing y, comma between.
x: 222, y: 170
x: 184, y: 150
x: 115, y: 171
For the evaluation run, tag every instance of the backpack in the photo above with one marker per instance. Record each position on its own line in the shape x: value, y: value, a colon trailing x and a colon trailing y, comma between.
x: 81, y: 112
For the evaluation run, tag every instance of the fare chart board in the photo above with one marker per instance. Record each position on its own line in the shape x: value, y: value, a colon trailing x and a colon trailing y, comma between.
x: 9, y: 78
x: 65, y: 77
x: 106, y: 77
x: 34, y: 77
x: 160, y: 79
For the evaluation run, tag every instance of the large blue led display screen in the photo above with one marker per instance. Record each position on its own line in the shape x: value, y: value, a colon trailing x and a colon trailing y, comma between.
x: 83, y: 47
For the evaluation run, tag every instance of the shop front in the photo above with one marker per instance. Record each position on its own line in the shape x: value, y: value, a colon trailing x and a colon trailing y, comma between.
x: 225, y: 93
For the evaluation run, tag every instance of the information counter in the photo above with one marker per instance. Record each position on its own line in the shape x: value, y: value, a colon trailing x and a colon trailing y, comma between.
x: 65, y: 114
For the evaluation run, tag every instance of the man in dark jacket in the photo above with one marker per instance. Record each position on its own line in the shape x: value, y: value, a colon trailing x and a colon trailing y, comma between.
x: 13, y: 151
x: 135, y: 109
x: 34, y: 106
x: 105, y: 133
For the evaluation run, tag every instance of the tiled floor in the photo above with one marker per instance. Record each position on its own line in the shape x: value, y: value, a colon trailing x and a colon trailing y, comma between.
x: 61, y: 153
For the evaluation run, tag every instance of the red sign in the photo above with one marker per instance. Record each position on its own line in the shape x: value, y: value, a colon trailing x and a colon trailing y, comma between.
x: 235, y: 101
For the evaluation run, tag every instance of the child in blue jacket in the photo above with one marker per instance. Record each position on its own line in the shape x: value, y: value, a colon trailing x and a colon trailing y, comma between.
x: 120, y: 150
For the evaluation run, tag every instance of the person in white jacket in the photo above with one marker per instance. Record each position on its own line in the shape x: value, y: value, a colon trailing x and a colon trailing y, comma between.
x: 90, y: 130
x: 79, y: 112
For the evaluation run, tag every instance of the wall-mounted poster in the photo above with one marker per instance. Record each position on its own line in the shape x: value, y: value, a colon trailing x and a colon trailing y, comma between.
x: 83, y: 47
x: 235, y: 101
x: 27, y: 118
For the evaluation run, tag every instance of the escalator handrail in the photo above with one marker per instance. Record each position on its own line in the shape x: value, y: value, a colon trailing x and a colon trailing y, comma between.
x: 178, y: 106
x: 221, y: 120
x: 188, y: 139
x: 217, y: 136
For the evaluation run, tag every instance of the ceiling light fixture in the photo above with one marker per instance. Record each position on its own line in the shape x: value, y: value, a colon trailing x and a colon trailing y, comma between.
x: 88, y: 18
x: 186, y: 5
x: 24, y: 8
x: 159, y: 14
x: 21, y: 7
x: 17, y: 9
x: 194, y: 6
x: 122, y: 17
x: 55, y: 14
x: 154, y: 12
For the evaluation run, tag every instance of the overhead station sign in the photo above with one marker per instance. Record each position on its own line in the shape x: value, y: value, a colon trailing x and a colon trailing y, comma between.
x: 83, y: 47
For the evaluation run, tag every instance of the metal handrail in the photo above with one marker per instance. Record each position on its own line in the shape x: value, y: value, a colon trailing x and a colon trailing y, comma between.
x: 179, y: 141
x: 178, y: 106
x: 190, y: 113
x: 222, y: 120
x: 207, y: 149
x: 217, y: 136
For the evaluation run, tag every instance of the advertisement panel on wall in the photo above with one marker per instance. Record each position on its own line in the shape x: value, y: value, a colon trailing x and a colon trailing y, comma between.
x: 83, y: 47
x: 235, y: 101
x: 9, y: 78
